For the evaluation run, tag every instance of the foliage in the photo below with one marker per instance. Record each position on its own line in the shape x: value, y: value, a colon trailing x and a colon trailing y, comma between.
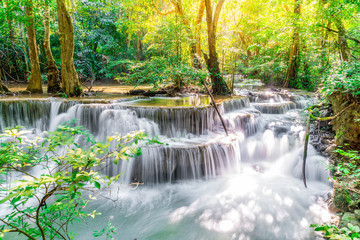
x: 347, y: 173
x: 55, y: 179
x: 12, y: 59
x: 159, y: 70
x: 125, y: 39
x: 350, y: 232
x: 345, y: 77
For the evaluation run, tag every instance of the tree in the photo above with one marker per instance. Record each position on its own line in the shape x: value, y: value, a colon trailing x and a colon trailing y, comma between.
x: 44, y: 205
x: 195, y: 36
x: 342, y: 41
x: 9, y: 19
x: 218, y: 84
x: 197, y: 59
x: 294, y: 52
x: 53, y: 72
x: 70, y: 80
x: 35, y: 85
x: 3, y: 88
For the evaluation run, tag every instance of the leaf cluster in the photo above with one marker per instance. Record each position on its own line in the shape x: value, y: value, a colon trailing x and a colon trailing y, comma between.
x: 53, y: 176
x: 350, y: 232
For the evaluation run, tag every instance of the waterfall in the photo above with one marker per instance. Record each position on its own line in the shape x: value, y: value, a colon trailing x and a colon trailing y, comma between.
x: 196, y: 182
x: 193, y: 142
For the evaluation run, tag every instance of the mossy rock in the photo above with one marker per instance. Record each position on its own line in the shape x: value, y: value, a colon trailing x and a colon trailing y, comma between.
x: 346, y: 126
x: 349, y: 218
x: 341, y: 198
x: 357, y: 214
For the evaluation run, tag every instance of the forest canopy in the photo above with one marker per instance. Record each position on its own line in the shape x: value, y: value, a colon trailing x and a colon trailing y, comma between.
x: 286, y: 43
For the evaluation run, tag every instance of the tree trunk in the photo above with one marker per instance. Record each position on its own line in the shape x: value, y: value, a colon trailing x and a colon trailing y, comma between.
x: 35, y: 85
x: 139, y: 46
x: 22, y: 35
x: 343, y: 46
x: 70, y: 81
x: 325, y: 48
x: 218, y: 84
x: 294, y: 59
x: 10, y: 21
x: 245, y: 48
x: 10, y: 18
x: 3, y: 88
x: 53, y: 72
x: 180, y: 11
x: 197, y: 56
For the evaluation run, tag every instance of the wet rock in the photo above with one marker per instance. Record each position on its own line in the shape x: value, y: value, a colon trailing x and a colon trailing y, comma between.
x: 136, y: 92
x: 24, y: 92
x: 258, y: 168
x: 349, y: 218
x: 153, y: 93
x: 326, y: 141
x: 357, y: 214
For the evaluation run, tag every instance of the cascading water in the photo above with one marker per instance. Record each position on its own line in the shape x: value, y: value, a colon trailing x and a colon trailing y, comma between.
x: 199, y: 184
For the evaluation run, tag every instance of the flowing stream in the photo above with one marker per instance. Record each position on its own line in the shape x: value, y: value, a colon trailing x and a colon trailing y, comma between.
x: 200, y: 183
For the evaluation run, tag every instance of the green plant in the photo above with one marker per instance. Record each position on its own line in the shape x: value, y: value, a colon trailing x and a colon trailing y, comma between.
x: 45, y: 202
x: 347, y: 174
x: 350, y: 232
x: 345, y: 77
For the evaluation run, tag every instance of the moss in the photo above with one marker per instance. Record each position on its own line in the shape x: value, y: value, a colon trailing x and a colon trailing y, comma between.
x: 349, y: 218
x: 173, y: 102
x: 346, y: 125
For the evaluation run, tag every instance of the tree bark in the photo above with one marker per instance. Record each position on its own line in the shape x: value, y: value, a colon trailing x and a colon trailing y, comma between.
x: 53, y: 72
x: 10, y: 21
x: 3, y: 88
x: 245, y: 48
x: 70, y: 80
x: 197, y: 56
x: 139, y: 46
x: 22, y: 35
x: 343, y: 46
x: 218, y: 84
x: 35, y: 85
x: 294, y: 52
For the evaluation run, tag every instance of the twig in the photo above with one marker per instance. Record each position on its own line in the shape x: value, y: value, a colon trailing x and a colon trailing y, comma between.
x: 305, y: 151
x: 217, y: 110
x: 346, y: 36
x: 327, y: 118
x: 18, y: 229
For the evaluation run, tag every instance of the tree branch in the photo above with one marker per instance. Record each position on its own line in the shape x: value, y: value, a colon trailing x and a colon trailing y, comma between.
x: 43, y: 200
x: 161, y: 13
x: 328, y: 118
x: 209, y: 16
x: 217, y: 13
x: 18, y: 229
x: 346, y: 36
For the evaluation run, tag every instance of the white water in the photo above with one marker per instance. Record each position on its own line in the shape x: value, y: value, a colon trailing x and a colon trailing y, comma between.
x: 201, y: 184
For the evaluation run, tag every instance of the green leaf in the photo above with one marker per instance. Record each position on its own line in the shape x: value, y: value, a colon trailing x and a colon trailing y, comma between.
x: 15, y: 199
x: 9, y: 197
x: 353, y: 228
x: 72, y: 188
x: 97, y: 185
